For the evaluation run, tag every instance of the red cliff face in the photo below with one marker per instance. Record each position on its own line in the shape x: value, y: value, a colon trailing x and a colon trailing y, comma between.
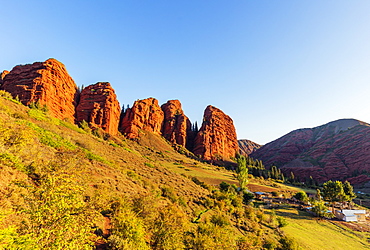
x: 98, y: 106
x: 216, y: 139
x: 176, y: 124
x: 144, y: 115
x: 45, y: 82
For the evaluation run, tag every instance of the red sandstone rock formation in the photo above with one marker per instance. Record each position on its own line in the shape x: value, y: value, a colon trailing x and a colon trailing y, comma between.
x: 144, y: 115
x: 216, y: 139
x: 246, y: 147
x: 338, y: 150
x: 176, y: 124
x: 47, y: 83
x: 99, y: 106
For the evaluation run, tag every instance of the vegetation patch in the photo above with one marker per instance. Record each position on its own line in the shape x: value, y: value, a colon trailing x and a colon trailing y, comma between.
x: 51, y: 139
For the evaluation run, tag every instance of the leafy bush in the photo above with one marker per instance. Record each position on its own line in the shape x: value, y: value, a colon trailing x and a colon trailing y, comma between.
x: 282, y: 222
x: 55, y: 216
x: 128, y: 231
x: 219, y: 220
x: 169, y: 193
x: 289, y: 244
x: 149, y: 165
x: 168, y: 229
x: 224, y: 186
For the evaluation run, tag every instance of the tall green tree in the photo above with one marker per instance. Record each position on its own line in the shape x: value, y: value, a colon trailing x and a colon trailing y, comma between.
x: 333, y: 192
x: 301, y: 196
x: 242, y: 172
x: 319, y: 208
x: 348, y: 190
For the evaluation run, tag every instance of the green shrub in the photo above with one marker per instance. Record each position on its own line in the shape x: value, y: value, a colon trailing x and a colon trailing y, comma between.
x: 128, y: 231
x: 93, y: 157
x: 219, y: 220
x: 289, y: 244
x: 224, y: 186
x: 168, y: 229
x: 247, y: 197
x: 169, y: 193
x: 149, y: 165
x: 282, y: 222
x: 55, y: 215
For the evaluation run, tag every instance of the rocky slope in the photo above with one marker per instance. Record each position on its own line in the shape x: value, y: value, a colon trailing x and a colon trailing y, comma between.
x: 176, y: 126
x: 144, y: 115
x: 47, y: 83
x: 246, y: 147
x: 338, y: 150
x: 99, y: 106
x: 216, y: 139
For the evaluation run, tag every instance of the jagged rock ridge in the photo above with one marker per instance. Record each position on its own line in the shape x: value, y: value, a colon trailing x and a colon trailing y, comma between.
x: 47, y: 83
x: 99, y: 107
x: 338, y: 150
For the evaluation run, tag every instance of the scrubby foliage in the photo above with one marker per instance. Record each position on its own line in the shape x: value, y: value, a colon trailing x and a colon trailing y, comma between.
x: 62, y: 187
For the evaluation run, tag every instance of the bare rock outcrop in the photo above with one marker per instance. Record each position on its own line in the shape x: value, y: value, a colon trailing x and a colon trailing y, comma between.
x: 99, y: 107
x: 177, y: 125
x: 216, y: 139
x: 144, y: 115
x: 47, y: 83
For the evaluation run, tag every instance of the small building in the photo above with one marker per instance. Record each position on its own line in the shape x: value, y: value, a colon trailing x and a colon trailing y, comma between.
x: 351, y: 215
x: 259, y: 195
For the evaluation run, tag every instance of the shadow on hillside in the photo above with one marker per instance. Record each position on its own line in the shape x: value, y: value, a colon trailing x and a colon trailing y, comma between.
x: 293, y: 213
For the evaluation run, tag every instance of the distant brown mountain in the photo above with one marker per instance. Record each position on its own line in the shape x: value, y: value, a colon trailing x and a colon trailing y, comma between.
x: 246, y: 147
x: 339, y: 150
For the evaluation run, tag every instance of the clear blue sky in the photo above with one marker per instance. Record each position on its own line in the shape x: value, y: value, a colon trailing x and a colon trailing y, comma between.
x: 273, y: 66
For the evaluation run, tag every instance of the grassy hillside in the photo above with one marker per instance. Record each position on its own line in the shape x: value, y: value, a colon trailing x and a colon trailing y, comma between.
x: 321, y: 234
x: 65, y: 187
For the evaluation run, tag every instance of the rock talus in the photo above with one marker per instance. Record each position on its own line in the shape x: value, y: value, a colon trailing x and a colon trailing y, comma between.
x: 47, y: 83
x: 144, y: 115
x: 216, y: 139
x: 177, y: 125
x: 99, y: 107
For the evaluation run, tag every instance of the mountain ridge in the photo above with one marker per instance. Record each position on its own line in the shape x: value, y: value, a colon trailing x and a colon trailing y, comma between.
x: 335, y: 150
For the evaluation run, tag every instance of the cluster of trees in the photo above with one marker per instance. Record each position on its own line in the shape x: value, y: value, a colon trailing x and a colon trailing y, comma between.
x: 257, y: 169
x: 332, y: 192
